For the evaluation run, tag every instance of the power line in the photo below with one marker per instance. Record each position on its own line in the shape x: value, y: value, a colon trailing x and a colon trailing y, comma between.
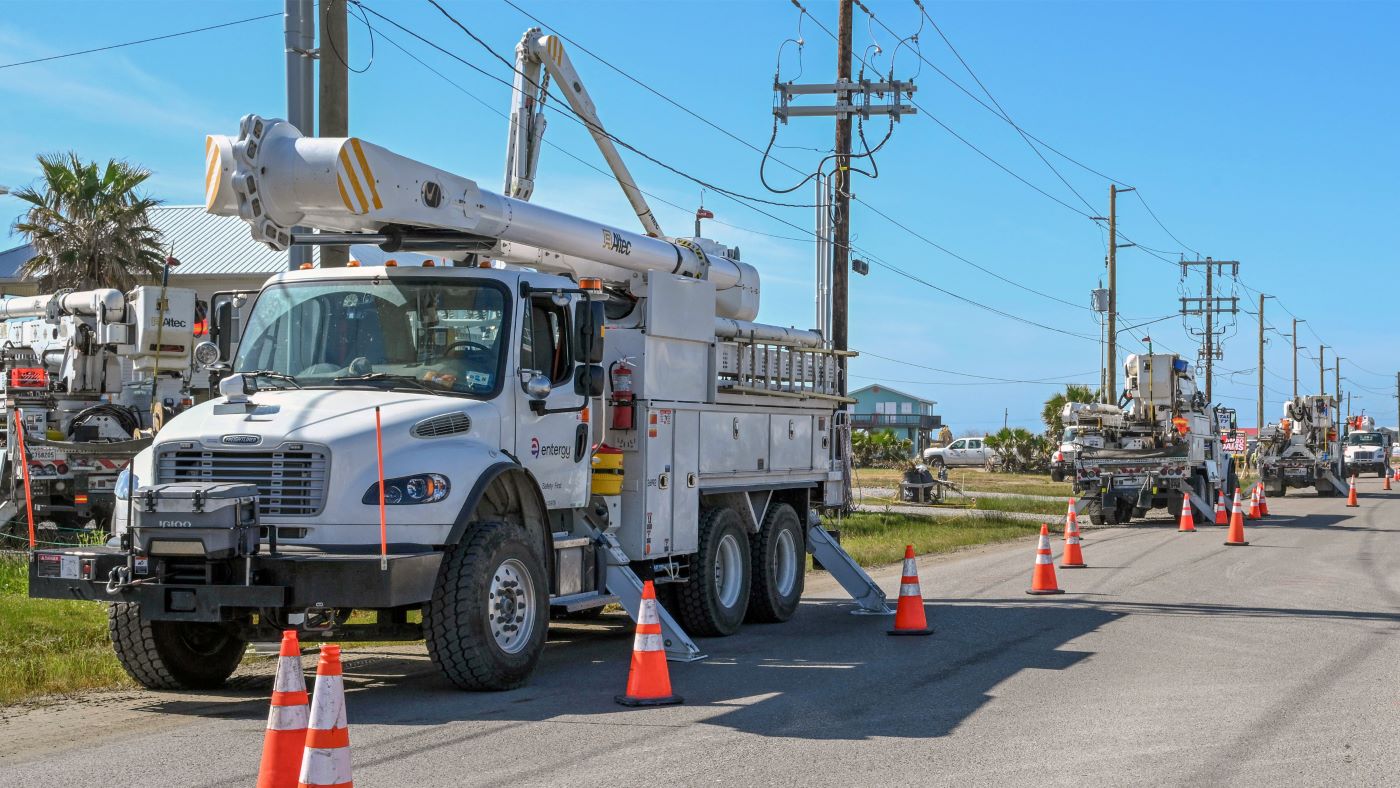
x: 865, y: 253
x: 906, y: 228
x: 573, y: 115
x: 139, y: 41
x: 992, y: 378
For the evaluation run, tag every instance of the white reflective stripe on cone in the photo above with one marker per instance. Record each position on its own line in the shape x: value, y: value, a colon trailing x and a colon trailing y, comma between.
x: 287, y: 718
x: 328, y: 702
x: 1043, y: 558
x: 910, y: 568
x: 646, y: 614
x: 1044, y: 543
x: 910, y: 589
x: 1072, y: 540
x: 650, y: 642
x: 289, y: 676
x: 325, y: 767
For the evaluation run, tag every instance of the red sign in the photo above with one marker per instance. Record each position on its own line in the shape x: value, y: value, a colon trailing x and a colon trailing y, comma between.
x: 29, y: 378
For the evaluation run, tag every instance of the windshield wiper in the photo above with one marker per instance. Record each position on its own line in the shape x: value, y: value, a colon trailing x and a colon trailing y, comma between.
x: 272, y: 374
x: 374, y: 377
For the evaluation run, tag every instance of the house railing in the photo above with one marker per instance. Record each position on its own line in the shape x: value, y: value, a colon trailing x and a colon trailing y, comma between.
x: 868, y: 421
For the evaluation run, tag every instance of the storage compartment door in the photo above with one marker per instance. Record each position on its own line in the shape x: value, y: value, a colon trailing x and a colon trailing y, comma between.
x: 733, y: 443
x: 790, y: 442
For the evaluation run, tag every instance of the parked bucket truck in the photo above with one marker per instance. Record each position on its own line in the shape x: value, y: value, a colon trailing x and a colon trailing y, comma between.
x: 1303, y: 449
x: 84, y: 374
x: 1160, y: 441
x: 1367, y: 448
x: 566, y: 409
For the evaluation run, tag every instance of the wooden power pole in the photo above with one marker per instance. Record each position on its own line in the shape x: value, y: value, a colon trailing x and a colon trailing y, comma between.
x: 852, y: 98
x: 334, y: 95
x: 1260, y: 422
x: 841, y: 230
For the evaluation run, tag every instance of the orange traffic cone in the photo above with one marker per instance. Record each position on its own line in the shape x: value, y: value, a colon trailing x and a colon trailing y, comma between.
x: 1074, y: 555
x: 1254, y: 513
x: 1235, y: 538
x: 1221, y: 516
x: 909, y: 616
x: 326, y: 761
x: 1188, y: 520
x: 648, y: 682
x: 1387, y: 483
x: 1072, y: 517
x: 1043, y: 576
x: 1397, y: 474
x: 1351, y: 494
x: 1263, y: 501
x: 286, y: 721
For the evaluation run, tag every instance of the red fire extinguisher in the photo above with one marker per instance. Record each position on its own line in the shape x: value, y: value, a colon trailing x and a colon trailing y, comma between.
x: 622, y: 401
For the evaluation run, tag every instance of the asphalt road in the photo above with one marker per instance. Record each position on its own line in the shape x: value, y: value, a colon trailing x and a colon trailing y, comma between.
x: 1173, y: 660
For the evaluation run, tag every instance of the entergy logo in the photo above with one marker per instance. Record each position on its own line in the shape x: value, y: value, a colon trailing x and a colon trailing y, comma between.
x: 534, y: 447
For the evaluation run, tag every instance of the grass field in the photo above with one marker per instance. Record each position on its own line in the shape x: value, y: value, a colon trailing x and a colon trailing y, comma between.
x: 973, y: 479
x: 50, y: 646
x: 878, y: 538
x: 985, y: 504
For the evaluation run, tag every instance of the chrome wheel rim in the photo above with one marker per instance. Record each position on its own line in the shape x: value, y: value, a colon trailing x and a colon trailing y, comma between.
x: 510, y: 612
x: 728, y: 565
x: 785, y: 562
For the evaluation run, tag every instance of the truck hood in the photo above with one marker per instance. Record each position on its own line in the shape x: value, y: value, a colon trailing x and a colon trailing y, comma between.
x: 320, y: 416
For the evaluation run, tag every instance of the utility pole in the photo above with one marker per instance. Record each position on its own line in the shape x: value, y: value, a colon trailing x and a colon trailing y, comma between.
x: 1260, y: 422
x: 1337, y: 372
x: 852, y: 98
x: 841, y: 235
x: 1296, y: 321
x: 299, y: 41
x: 1321, y: 371
x: 1111, y: 329
x: 1397, y: 401
x: 335, y: 96
x: 1209, y: 307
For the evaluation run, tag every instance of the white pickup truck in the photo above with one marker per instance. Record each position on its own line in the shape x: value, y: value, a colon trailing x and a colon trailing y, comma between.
x: 963, y: 451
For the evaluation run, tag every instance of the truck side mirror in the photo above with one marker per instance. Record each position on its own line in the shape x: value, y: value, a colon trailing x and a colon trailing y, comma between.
x: 221, y: 328
x: 588, y: 331
x: 588, y: 380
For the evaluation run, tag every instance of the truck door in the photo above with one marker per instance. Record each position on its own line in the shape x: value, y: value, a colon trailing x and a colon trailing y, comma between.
x: 957, y: 452
x: 976, y: 455
x: 553, y: 446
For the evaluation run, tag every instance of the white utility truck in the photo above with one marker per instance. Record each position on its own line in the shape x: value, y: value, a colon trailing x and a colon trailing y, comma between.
x: 1303, y: 449
x: 444, y: 441
x: 1367, y: 448
x: 1162, y: 440
x: 81, y: 371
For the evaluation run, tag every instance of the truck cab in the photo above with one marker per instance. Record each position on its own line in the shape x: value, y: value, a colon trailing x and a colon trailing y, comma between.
x: 1367, y: 451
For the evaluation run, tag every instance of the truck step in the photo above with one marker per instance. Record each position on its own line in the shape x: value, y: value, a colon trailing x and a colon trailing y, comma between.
x: 576, y: 602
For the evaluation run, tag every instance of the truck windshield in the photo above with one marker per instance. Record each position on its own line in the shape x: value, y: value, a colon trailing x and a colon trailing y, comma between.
x: 437, y: 335
x: 1364, y: 439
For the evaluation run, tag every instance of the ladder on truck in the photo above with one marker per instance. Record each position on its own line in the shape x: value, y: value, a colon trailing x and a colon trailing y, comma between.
x: 778, y: 368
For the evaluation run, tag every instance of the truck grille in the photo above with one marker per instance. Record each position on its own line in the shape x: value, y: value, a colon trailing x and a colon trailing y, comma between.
x: 290, y: 483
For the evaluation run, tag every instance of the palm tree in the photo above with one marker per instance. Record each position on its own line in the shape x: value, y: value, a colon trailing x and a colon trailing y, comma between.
x: 88, y: 226
x: 1050, y: 414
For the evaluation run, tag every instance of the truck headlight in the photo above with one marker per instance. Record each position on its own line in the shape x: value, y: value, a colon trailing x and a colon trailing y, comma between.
x: 126, y: 482
x: 405, y: 490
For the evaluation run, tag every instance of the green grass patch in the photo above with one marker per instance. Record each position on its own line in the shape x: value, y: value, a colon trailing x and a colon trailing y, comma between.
x: 48, y: 645
x: 1016, y: 504
x: 879, y: 538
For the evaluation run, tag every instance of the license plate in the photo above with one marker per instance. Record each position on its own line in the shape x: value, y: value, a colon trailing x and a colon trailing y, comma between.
x: 1296, y: 472
x: 1129, y: 481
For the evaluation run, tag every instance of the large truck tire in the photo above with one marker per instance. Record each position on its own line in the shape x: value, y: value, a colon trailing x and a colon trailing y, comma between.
x: 779, y: 561
x: 486, y: 623
x: 172, y: 655
x: 714, y: 601
x: 1057, y: 475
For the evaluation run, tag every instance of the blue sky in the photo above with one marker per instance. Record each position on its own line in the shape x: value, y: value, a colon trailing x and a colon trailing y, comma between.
x: 1262, y: 132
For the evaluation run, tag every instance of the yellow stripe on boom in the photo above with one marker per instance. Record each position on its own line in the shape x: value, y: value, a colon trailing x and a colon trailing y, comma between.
x: 369, y: 174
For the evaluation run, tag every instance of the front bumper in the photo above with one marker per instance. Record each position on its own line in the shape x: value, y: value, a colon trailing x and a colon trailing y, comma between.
x: 290, y: 580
